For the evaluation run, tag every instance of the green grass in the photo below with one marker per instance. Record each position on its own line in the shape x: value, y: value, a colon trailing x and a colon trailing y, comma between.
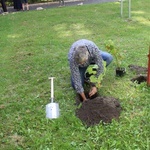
x: 34, y: 46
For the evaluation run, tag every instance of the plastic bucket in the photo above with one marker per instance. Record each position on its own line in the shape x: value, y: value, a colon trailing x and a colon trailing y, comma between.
x: 52, y: 110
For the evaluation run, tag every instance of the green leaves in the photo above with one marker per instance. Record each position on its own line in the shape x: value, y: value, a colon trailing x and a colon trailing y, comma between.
x: 109, y: 45
x: 92, y: 69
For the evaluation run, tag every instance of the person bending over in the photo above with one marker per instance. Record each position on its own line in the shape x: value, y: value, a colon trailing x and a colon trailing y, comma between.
x: 81, y: 55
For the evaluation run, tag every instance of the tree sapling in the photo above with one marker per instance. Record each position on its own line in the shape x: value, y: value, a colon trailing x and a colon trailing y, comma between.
x: 120, y: 71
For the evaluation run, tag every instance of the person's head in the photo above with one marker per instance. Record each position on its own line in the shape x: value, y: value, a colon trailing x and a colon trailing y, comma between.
x: 81, y: 54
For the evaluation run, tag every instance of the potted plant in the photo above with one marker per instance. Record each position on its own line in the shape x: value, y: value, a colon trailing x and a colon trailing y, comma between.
x: 120, y: 71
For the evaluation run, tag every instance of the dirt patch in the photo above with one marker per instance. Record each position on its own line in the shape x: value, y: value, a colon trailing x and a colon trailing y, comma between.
x: 17, y: 139
x: 99, y: 109
x: 140, y: 72
x: 138, y: 69
x: 139, y: 79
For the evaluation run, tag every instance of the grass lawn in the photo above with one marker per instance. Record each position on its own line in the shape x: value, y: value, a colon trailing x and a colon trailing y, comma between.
x: 34, y: 46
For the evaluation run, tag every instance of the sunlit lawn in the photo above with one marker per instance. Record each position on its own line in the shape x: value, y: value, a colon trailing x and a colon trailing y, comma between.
x: 34, y: 46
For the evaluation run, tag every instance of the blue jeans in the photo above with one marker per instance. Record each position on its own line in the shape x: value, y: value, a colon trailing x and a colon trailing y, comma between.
x: 105, y: 56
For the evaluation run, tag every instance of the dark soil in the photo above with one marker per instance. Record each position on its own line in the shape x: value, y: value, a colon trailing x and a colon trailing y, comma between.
x: 140, y: 72
x: 99, y: 109
x: 138, y: 69
x: 120, y: 72
x: 139, y: 79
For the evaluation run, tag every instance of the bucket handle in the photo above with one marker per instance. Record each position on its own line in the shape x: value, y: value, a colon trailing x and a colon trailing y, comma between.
x: 52, y: 88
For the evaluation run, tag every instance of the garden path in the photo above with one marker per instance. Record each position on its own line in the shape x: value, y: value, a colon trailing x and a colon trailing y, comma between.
x: 56, y: 4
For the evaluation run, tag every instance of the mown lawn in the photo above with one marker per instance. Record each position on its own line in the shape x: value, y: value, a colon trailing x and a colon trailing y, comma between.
x: 34, y: 46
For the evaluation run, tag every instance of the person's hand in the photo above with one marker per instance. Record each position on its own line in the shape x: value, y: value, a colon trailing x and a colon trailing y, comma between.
x: 83, y: 96
x: 84, y: 101
x: 93, y: 91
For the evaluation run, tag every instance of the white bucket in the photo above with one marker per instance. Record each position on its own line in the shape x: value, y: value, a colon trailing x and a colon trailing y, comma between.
x: 52, y: 110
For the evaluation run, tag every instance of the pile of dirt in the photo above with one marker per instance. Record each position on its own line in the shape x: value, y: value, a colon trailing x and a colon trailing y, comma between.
x: 139, y: 79
x: 99, y: 109
x: 140, y: 73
